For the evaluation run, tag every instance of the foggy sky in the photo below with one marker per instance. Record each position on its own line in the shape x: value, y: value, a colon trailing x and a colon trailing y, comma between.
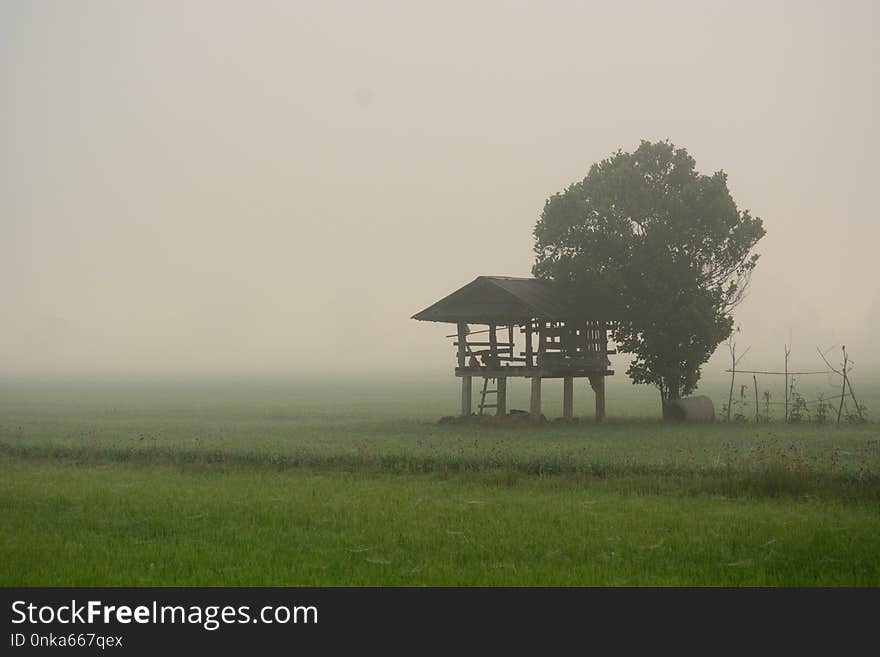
x: 221, y: 187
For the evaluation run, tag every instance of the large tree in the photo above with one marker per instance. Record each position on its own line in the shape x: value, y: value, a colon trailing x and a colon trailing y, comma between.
x: 663, y: 248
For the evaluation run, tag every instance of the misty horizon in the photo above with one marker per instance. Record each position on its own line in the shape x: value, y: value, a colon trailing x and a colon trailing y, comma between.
x: 270, y: 189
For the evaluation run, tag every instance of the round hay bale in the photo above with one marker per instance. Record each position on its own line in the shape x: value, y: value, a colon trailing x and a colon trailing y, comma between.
x: 690, y: 409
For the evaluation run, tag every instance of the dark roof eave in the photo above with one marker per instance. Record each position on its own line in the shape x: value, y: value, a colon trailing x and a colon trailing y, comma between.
x: 517, y: 300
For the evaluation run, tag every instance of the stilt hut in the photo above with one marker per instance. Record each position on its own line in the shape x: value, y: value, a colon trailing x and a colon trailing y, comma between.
x: 524, y: 327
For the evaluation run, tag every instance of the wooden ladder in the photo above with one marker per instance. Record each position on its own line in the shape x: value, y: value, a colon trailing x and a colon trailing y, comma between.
x: 485, y: 392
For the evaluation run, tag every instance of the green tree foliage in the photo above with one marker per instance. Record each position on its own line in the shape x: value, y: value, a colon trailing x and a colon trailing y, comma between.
x: 663, y: 248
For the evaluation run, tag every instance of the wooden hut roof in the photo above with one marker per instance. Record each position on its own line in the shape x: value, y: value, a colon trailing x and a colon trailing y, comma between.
x: 504, y: 300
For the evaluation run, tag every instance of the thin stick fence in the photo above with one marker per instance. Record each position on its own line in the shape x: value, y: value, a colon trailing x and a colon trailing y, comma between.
x: 794, y: 403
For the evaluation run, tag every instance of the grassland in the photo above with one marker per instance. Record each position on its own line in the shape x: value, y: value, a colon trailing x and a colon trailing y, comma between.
x: 269, y: 483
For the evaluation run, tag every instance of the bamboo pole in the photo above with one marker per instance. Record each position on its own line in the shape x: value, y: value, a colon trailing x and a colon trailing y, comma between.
x: 855, y: 401
x: 732, y: 377
x: 757, y: 406
x: 787, y: 353
x: 843, y: 392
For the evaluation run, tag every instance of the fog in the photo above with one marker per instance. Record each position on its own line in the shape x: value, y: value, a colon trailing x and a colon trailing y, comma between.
x: 222, y: 188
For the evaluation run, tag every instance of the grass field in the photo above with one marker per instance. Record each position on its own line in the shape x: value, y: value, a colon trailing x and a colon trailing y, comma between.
x: 272, y: 483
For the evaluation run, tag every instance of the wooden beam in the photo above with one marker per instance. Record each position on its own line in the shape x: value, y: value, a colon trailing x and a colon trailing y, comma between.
x: 568, y: 397
x: 549, y: 371
x: 535, y: 407
x: 501, y: 398
x: 466, y: 392
x: 455, y: 335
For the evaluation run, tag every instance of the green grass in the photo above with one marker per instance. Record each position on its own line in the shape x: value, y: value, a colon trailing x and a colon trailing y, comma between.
x: 120, y: 524
x: 284, y: 484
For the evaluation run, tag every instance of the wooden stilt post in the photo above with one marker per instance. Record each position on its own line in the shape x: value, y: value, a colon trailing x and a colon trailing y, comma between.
x: 597, y: 382
x: 501, y: 408
x: 462, y: 343
x: 568, y: 397
x: 536, y: 397
x: 541, y: 344
x: 530, y: 360
x: 493, y: 346
x: 466, y: 381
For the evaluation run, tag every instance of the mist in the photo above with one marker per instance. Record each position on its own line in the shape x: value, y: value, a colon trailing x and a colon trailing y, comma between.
x: 276, y: 187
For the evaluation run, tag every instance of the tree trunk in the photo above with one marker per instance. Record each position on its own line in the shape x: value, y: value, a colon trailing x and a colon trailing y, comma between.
x: 668, y: 392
